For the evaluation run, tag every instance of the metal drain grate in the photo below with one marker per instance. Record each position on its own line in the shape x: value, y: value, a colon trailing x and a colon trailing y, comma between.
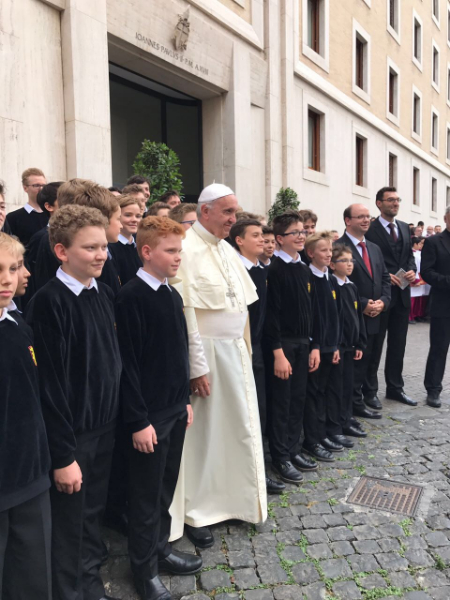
x: 393, y: 496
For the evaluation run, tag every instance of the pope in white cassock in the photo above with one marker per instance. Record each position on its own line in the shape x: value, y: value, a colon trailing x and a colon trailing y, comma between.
x: 223, y: 475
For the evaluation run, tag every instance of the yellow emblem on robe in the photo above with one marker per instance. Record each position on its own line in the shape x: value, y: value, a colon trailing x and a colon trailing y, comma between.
x: 33, y: 355
x: 356, y: 304
x: 334, y: 294
x: 309, y: 288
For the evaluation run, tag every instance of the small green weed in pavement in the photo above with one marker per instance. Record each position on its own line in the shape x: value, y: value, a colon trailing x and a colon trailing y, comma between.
x: 405, y: 525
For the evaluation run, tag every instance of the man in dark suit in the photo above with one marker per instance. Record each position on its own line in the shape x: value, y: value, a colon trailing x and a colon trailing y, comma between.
x: 435, y: 270
x: 374, y: 286
x: 394, y: 239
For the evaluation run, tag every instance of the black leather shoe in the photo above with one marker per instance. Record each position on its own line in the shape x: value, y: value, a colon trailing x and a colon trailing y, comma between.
x: 319, y: 453
x: 365, y: 413
x: 356, y: 424
x: 304, y: 464
x: 434, y: 401
x: 152, y: 589
x: 373, y: 403
x: 287, y: 472
x: 199, y: 536
x: 353, y: 431
x: 332, y: 446
x: 274, y: 487
x: 180, y: 563
x: 342, y: 440
x: 400, y: 397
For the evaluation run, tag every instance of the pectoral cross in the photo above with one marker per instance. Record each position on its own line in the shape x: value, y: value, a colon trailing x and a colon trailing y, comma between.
x: 231, y: 295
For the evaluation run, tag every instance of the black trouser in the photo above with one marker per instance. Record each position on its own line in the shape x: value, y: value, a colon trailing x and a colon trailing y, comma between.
x: 360, y: 368
x: 116, y: 504
x: 259, y: 373
x: 323, y: 398
x: 25, y: 550
x: 437, y: 356
x: 347, y: 367
x: 76, y: 542
x: 395, y: 322
x: 288, y: 398
x: 153, y: 479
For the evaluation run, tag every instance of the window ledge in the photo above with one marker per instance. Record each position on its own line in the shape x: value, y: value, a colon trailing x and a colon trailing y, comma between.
x: 315, y: 176
x: 393, y: 119
x: 395, y: 34
x: 361, y: 191
x: 434, y: 150
x: 436, y: 22
x: 417, y: 64
x: 415, y: 136
x: 436, y: 87
x: 318, y: 59
x: 361, y: 93
x: 416, y: 208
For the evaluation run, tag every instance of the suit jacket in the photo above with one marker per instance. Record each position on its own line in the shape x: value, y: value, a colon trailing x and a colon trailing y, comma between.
x: 435, y: 270
x: 377, y: 287
x: 378, y: 235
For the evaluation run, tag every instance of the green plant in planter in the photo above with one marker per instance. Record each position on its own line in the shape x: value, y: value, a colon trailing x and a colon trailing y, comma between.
x: 286, y: 199
x: 161, y: 165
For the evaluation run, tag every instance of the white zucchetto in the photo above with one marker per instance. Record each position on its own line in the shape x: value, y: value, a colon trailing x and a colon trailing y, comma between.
x: 214, y: 192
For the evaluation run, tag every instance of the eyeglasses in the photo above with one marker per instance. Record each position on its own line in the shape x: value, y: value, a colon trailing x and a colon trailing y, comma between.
x: 392, y: 200
x: 36, y: 185
x: 189, y: 222
x: 361, y: 217
x: 347, y: 261
x: 294, y: 233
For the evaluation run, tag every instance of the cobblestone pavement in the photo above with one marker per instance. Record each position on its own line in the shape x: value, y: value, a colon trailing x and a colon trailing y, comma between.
x: 315, y: 545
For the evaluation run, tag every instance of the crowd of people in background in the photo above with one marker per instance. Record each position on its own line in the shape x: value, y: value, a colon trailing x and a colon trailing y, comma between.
x: 173, y: 364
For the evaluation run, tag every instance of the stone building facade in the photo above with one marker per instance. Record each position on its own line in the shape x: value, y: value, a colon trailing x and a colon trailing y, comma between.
x: 334, y: 99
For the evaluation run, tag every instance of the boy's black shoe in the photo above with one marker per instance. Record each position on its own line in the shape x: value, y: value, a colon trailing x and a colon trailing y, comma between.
x: 365, y: 413
x: 152, y: 589
x: 330, y: 445
x: 287, y: 472
x: 319, y: 452
x: 341, y: 439
x: 355, y: 423
x: 400, y: 396
x: 274, y: 487
x: 373, y: 403
x: 354, y: 431
x: 199, y: 536
x: 180, y: 563
x: 434, y: 401
x: 304, y: 464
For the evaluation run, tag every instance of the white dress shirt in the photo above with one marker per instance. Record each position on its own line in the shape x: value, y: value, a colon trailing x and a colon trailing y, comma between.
x: 386, y: 225
x: 73, y: 284
x: 248, y: 263
x: 356, y: 242
x: 288, y: 259
x: 318, y: 272
x: 154, y: 283
x: 6, y: 315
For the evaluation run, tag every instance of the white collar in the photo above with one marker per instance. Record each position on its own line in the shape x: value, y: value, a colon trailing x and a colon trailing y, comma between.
x: 385, y: 223
x: 248, y: 263
x: 5, y: 315
x: 30, y: 208
x: 73, y: 284
x: 206, y: 235
x: 288, y: 259
x: 267, y: 264
x: 318, y: 273
x: 354, y: 240
x: 13, y: 306
x: 154, y: 283
x: 123, y: 240
x: 340, y: 282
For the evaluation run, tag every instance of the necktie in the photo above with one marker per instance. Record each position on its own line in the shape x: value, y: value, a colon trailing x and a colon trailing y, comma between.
x: 393, y: 232
x: 365, y: 257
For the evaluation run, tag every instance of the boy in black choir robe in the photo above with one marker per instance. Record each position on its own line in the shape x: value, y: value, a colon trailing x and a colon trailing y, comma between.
x: 155, y: 401
x: 124, y: 252
x: 323, y: 432
x: 269, y: 246
x: 354, y: 337
x: 79, y: 366
x: 25, y: 521
x: 288, y: 329
x: 26, y: 221
x: 247, y: 238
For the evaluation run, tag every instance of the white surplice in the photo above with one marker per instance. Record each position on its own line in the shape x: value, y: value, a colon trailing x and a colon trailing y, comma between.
x: 222, y: 475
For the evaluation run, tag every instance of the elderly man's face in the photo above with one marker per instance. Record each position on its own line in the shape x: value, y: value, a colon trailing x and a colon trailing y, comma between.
x: 219, y: 218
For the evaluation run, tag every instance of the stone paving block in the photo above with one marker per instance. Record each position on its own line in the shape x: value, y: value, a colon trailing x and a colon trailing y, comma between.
x: 442, y: 593
x: 210, y: 580
x: 372, y: 581
x: 287, y: 592
x: 363, y: 563
x: 212, y: 557
x: 367, y: 547
x: 334, y: 520
x: 240, y: 559
x: 366, y: 532
x: 235, y: 542
x: 315, y: 591
x: 289, y: 537
x: 319, y: 551
x: 293, y: 553
x: 289, y: 523
x: 431, y: 578
x: 336, y: 568
x: 419, y: 558
x: 180, y: 586
x: 321, y: 508
x: 245, y: 579
x: 259, y: 595
x: 226, y: 596
x: 356, y: 518
x: 299, y: 510
x: 435, y: 539
x: 305, y: 573
x: 417, y: 596
x: 346, y: 590
x: 339, y: 534
x: 402, y: 579
x: 315, y: 536
x: 390, y: 530
x: 342, y: 548
x: 438, y: 522
x: 314, y: 522
x: 415, y: 542
x: 196, y: 597
x: 391, y: 561
x: 272, y: 573
x: 266, y: 527
x: 389, y: 545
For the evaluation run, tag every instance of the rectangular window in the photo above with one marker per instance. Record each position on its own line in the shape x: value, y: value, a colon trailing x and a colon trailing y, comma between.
x: 393, y: 14
x: 359, y: 67
x: 447, y: 196
x: 434, y: 131
x: 435, y: 66
x: 417, y: 41
x: 416, y: 114
x: 393, y: 87
x: 448, y: 84
x: 435, y: 4
x: 314, y: 140
x: 314, y: 25
x: 448, y: 25
x: 448, y: 142
x: 360, y: 175
x: 392, y: 170
x: 434, y: 194
x: 416, y: 186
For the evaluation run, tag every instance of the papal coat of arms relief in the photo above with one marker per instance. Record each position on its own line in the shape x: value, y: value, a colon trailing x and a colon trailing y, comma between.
x: 181, y: 34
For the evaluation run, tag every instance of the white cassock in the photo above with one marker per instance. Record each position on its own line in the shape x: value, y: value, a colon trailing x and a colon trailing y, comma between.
x: 222, y: 475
